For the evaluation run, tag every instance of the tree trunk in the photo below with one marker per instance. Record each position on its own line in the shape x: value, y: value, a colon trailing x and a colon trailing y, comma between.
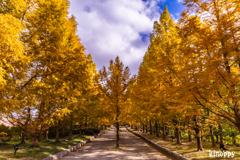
x: 217, y: 139
x: 47, y: 131
x: 117, y: 119
x: 63, y: 132
x: 164, y: 131
x: 156, y: 128
x: 24, y: 135
x: 211, y: 133
x: 189, y: 136
x: 198, y: 135
x: 57, y: 136
x: 57, y: 133
x: 159, y: 126
x: 220, y: 133
x: 212, y: 136
x: 86, y: 124
x: 199, y: 142
x: 63, y: 128
x: 143, y: 128
x: 178, y: 136
x: 131, y: 126
x: 70, y: 130
x: 23, y: 141
x: 175, y: 133
x: 150, y: 127
x: 35, y: 140
x: 146, y: 128
x: 80, y: 133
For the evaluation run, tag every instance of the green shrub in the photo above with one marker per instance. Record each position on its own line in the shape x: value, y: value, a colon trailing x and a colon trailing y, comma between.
x: 13, y: 131
x: 95, y: 130
x: 89, y: 132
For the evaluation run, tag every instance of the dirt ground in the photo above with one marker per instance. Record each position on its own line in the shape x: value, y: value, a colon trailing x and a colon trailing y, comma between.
x: 103, y: 148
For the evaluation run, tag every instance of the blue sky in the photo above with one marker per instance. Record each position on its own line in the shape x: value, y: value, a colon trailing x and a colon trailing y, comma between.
x: 110, y: 28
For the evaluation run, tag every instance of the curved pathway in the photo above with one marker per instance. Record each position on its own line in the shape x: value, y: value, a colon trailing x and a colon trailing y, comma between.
x: 103, y: 148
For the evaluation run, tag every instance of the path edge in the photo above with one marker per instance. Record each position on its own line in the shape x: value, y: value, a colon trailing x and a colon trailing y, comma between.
x: 71, y: 149
x: 167, y: 151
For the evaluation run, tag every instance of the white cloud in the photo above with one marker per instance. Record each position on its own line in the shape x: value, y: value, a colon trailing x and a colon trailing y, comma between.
x: 108, y: 28
x: 180, y: 1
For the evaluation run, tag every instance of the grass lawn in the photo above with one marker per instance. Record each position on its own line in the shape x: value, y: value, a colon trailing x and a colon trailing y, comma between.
x: 189, y: 149
x: 46, y: 148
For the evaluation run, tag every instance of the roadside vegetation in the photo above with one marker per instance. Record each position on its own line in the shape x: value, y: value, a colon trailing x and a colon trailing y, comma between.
x: 188, y: 149
x: 187, y: 86
x: 45, y: 149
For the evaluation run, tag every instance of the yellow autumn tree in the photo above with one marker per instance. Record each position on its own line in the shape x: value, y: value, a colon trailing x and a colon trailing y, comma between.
x: 113, y: 83
x: 56, y: 70
x: 210, y: 51
x: 13, y: 58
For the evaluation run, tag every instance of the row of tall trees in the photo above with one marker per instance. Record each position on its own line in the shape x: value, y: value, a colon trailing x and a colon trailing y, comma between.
x: 188, y: 80
x: 47, y: 80
x: 45, y: 76
x: 189, y: 77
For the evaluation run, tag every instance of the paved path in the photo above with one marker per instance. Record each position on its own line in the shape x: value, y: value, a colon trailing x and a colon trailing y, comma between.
x: 103, y: 148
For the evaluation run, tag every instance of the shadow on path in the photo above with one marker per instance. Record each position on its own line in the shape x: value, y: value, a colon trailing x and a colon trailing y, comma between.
x: 103, y: 148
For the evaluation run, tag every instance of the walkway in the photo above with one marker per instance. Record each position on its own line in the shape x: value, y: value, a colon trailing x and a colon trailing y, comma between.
x: 103, y: 148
